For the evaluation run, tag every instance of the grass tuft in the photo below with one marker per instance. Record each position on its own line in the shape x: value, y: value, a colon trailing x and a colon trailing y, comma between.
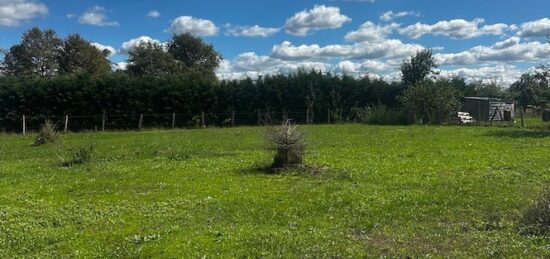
x: 47, y: 134
x: 536, y: 219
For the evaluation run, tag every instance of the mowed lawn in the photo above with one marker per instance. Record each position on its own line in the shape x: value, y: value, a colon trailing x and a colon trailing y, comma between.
x: 386, y: 191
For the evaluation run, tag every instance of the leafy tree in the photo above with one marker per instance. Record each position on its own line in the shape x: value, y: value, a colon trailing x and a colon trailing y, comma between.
x: 193, y: 53
x: 418, y: 67
x: 36, y: 55
x: 431, y: 102
x: 150, y: 58
x: 80, y: 56
x: 526, y: 91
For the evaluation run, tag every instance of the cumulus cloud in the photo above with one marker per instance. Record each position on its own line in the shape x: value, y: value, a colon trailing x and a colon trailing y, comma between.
x: 192, y: 25
x: 504, y: 73
x: 119, y: 66
x: 538, y: 28
x: 101, y: 47
x: 368, y: 31
x: 153, y: 14
x: 319, y: 18
x: 250, y: 31
x: 362, y: 50
x: 509, y: 50
x: 14, y: 12
x: 131, y: 44
x: 96, y: 16
x: 456, y: 29
x: 391, y: 15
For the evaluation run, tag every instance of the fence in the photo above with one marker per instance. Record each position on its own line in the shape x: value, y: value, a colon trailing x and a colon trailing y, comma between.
x: 102, y: 122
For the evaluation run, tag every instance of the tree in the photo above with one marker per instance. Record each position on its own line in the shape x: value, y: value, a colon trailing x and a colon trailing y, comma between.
x: 36, y: 55
x: 418, y: 67
x: 193, y: 53
x: 150, y: 58
x: 525, y: 91
x: 430, y: 102
x: 80, y: 56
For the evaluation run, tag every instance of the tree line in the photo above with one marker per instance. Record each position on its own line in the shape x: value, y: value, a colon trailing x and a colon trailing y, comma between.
x: 46, y: 75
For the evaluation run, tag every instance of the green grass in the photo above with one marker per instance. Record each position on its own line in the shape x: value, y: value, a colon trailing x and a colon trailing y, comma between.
x: 389, y: 191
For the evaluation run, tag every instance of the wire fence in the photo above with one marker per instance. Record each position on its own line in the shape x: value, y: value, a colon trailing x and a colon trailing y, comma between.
x: 115, y: 122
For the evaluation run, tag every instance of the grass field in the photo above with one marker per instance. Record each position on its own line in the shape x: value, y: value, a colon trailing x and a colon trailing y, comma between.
x: 388, y: 191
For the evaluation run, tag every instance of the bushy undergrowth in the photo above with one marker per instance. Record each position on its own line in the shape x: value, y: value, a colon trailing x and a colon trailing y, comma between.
x: 81, y: 155
x: 381, y: 115
x: 289, y: 145
x: 536, y: 219
x: 47, y: 135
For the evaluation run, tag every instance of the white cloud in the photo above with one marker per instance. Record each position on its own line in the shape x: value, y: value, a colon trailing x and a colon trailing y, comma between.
x: 538, y: 28
x: 391, y: 15
x: 192, y: 25
x: 368, y: 31
x: 319, y: 18
x: 96, y: 16
x: 153, y: 14
x: 119, y: 66
x: 71, y: 15
x: 456, y: 29
x: 101, y: 47
x: 131, y: 44
x: 362, y: 50
x: 14, y: 12
x: 509, y: 50
x: 250, y: 31
x: 504, y: 73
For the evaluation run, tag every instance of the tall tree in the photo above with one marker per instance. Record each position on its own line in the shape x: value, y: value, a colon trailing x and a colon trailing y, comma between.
x: 418, y: 67
x: 36, y: 55
x: 194, y: 53
x: 80, y: 56
x: 149, y: 58
x: 527, y: 91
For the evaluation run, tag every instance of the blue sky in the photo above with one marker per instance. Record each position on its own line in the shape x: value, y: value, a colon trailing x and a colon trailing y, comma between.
x: 486, y: 40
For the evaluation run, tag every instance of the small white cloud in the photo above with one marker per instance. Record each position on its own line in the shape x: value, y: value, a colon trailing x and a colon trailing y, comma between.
x: 96, y: 16
x: 192, y: 25
x: 153, y: 14
x: 250, y: 31
x: 131, y: 44
x: 456, y: 29
x: 319, y: 18
x: 390, y: 15
x: 119, y: 66
x: 538, y: 28
x: 368, y: 31
x: 101, y: 47
x: 14, y: 12
x: 71, y: 15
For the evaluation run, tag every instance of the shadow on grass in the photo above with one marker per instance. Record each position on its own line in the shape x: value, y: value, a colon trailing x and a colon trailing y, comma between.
x: 519, y: 133
x: 306, y: 170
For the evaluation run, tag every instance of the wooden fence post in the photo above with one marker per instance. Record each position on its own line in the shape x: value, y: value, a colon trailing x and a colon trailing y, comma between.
x: 103, y: 120
x: 24, y: 125
x: 233, y: 118
x: 140, y: 121
x: 66, y: 123
x: 203, y: 122
x: 173, y: 120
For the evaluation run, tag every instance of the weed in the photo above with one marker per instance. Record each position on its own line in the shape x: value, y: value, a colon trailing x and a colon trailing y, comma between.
x: 47, y: 135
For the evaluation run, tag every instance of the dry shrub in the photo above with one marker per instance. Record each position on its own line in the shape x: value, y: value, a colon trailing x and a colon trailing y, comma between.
x: 289, y: 145
x: 536, y: 219
x: 47, y: 134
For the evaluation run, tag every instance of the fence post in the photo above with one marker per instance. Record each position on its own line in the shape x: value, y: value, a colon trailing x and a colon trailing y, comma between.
x: 284, y: 115
x: 140, y: 121
x: 24, y: 125
x: 203, y: 122
x: 173, y: 120
x: 232, y: 118
x: 66, y: 123
x: 103, y: 120
x: 328, y: 116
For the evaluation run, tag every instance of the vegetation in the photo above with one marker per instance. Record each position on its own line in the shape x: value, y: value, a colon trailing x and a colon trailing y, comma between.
x: 289, y: 145
x: 82, y: 155
x: 47, y: 135
x: 536, y: 219
x: 389, y: 191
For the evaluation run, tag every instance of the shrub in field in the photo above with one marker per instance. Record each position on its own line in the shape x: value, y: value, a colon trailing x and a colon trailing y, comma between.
x: 536, y: 219
x: 381, y: 115
x: 47, y: 134
x: 82, y: 155
x: 289, y: 145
